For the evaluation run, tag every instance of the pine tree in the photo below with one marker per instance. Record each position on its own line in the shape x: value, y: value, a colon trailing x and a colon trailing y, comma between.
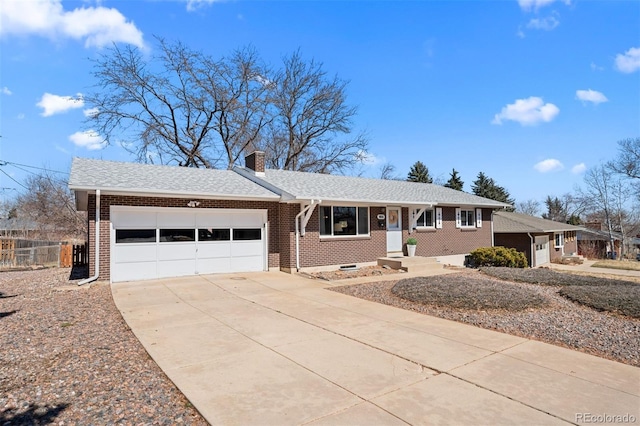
x: 419, y: 173
x: 454, y: 181
x: 556, y: 210
x: 486, y: 187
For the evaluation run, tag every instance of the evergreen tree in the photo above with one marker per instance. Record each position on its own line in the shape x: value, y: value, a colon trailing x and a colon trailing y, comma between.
x: 556, y: 210
x: 486, y: 187
x: 419, y: 173
x: 455, y: 182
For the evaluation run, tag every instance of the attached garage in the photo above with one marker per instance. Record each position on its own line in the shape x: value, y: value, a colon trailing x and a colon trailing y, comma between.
x: 148, y: 242
x: 542, y: 250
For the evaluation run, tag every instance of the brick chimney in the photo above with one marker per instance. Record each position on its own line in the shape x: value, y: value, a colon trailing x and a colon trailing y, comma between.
x: 255, y: 161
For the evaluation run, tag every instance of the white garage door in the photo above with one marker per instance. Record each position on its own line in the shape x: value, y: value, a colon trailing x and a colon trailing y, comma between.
x: 148, y: 243
x: 542, y: 250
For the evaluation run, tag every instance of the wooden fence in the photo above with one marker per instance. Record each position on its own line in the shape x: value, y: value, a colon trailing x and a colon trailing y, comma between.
x: 73, y: 255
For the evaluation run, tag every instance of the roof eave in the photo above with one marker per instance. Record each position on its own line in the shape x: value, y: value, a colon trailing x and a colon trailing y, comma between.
x: 172, y: 194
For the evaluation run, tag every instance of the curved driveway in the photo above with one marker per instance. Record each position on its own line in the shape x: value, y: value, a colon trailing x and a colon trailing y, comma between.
x: 274, y: 349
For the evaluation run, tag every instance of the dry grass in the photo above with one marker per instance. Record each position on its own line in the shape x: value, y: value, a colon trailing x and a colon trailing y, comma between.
x: 549, y: 277
x: 627, y: 265
x: 623, y: 300
x: 455, y: 291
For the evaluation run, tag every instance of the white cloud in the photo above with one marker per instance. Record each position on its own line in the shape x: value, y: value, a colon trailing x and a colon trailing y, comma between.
x: 368, y: 158
x: 90, y: 112
x: 89, y: 139
x: 548, y: 165
x: 193, y: 5
x: 54, y: 104
x: 595, y: 67
x: 591, y: 96
x: 6, y: 91
x: 546, y: 24
x: 97, y: 26
x: 629, y: 61
x: 527, y: 112
x: 578, y: 168
x: 528, y: 5
x: 21, y: 116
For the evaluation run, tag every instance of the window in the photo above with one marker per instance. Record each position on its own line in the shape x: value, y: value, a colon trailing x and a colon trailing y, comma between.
x: 467, y: 218
x: 247, y: 234
x: 211, y: 234
x: 177, y: 235
x: 426, y: 219
x: 339, y: 220
x: 126, y: 236
x: 559, y: 238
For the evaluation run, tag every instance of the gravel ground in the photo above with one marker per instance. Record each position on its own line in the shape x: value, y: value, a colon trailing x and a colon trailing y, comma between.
x: 68, y: 357
x: 366, y: 271
x: 560, y: 322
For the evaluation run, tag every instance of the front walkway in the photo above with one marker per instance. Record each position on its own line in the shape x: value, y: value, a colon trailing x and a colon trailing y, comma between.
x: 274, y: 349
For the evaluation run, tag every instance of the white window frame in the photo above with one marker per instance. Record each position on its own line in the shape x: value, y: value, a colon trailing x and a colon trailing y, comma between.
x: 558, y: 236
x: 332, y: 235
x: 433, y: 219
x: 469, y: 212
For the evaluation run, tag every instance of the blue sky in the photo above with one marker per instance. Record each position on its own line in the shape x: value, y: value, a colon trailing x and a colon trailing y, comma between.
x: 530, y: 92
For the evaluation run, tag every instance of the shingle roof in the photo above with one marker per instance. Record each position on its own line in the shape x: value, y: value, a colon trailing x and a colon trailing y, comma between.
x: 514, y: 223
x: 89, y: 174
x: 331, y: 188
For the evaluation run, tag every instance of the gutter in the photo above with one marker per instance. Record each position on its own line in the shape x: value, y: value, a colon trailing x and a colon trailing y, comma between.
x: 97, y: 239
x: 533, y: 252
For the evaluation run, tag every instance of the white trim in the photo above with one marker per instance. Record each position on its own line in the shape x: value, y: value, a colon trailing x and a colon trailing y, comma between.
x: 478, y: 218
x: 458, y: 217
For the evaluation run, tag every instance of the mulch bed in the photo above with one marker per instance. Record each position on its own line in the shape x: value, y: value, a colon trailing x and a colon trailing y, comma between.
x: 532, y: 311
x: 68, y: 357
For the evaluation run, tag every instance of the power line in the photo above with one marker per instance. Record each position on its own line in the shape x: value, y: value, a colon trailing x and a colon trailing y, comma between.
x: 4, y: 163
x: 10, y: 177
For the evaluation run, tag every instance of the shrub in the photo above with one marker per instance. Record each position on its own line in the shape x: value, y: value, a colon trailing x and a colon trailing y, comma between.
x: 498, y: 256
x: 412, y: 241
x: 545, y: 276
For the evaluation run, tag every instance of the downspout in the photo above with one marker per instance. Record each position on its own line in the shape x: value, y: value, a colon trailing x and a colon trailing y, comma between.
x: 298, y: 217
x: 493, y: 237
x: 533, y: 252
x: 97, y: 239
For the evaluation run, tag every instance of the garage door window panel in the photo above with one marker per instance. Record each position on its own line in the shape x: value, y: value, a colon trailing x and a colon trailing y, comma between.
x: 211, y: 234
x: 251, y: 234
x: 177, y: 235
x: 131, y: 236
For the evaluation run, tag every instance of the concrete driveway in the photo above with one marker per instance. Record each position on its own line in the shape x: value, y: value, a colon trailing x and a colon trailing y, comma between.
x: 274, y: 349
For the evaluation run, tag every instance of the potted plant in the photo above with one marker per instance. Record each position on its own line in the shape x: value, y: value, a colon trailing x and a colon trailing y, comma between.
x: 411, y: 246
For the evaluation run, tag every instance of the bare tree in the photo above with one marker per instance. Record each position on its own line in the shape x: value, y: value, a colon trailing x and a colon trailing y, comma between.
x: 530, y: 207
x: 387, y: 172
x: 154, y: 107
x: 607, y: 193
x: 188, y: 108
x: 50, y: 204
x: 313, y: 122
x: 628, y: 160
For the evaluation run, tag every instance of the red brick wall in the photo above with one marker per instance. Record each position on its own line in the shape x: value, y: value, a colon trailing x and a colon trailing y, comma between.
x: 520, y: 242
x: 318, y: 251
x: 450, y: 240
x: 106, y: 201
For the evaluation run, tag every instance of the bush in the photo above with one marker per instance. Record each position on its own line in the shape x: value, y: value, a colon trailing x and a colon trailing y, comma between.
x: 498, y: 256
x: 412, y: 241
x: 545, y: 276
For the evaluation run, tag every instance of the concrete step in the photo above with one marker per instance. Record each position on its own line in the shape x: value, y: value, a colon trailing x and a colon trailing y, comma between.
x: 410, y: 264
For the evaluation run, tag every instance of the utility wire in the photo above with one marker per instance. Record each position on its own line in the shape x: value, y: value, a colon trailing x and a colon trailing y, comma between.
x: 4, y: 163
x: 10, y: 177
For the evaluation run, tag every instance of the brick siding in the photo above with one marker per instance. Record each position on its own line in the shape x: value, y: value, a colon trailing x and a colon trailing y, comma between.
x: 106, y: 201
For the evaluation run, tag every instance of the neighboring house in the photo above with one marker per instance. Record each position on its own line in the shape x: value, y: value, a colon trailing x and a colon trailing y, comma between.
x: 541, y: 240
x: 596, y: 244
x: 163, y: 221
x: 18, y: 228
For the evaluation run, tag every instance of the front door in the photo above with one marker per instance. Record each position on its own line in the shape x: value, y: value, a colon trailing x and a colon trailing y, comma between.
x: 394, y: 229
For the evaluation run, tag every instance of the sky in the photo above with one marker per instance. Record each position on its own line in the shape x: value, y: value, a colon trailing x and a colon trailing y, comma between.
x: 530, y: 92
